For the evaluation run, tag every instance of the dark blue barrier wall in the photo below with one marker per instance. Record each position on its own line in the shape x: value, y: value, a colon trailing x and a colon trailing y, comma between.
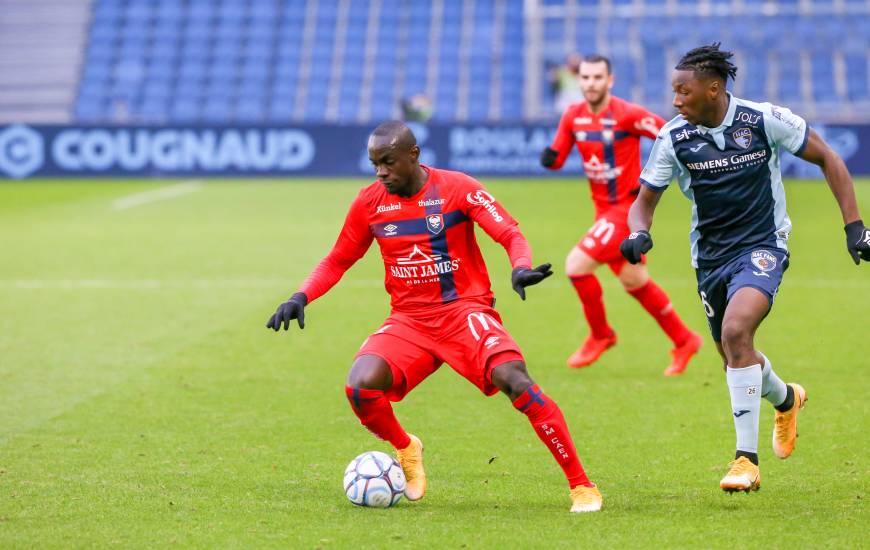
x: 308, y: 150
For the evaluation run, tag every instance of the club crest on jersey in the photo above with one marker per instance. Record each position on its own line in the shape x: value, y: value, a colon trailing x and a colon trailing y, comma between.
x: 743, y: 137
x: 764, y: 261
x: 435, y: 223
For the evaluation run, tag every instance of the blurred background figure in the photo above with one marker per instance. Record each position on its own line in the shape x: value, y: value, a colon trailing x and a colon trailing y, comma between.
x: 417, y: 108
x: 565, y: 83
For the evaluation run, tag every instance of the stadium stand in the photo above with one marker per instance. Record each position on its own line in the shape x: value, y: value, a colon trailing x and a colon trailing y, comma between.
x: 40, y: 56
x: 333, y: 61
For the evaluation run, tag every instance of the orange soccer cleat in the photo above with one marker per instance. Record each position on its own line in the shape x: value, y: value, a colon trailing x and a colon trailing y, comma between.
x: 591, y: 350
x: 785, y: 424
x: 682, y: 354
x: 585, y: 499
x: 411, y: 460
x: 742, y: 475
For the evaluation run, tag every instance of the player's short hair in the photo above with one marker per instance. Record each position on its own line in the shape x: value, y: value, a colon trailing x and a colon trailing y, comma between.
x: 598, y: 58
x: 398, y: 130
x: 709, y: 61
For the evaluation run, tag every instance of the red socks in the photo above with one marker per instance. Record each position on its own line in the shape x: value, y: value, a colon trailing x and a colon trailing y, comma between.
x: 375, y: 413
x: 656, y: 302
x: 589, y: 290
x: 547, y: 420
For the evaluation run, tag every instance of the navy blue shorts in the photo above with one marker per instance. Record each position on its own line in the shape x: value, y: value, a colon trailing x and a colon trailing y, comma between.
x: 761, y: 268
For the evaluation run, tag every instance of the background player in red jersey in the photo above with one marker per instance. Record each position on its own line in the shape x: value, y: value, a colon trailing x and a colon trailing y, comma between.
x: 607, y: 131
x: 442, y: 303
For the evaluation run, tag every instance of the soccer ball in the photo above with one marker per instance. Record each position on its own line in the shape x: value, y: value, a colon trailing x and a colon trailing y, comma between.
x: 374, y: 479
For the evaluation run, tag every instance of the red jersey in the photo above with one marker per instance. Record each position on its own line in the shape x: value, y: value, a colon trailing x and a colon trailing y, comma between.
x: 431, y: 257
x: 610, y: 145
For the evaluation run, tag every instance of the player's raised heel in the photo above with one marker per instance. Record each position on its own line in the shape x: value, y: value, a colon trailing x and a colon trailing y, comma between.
x: 682, y: 354
x: 585, y: 499
x: 411, y: 459
x: 743, y: 475
x: 591, y: 350
x: 785, y: 424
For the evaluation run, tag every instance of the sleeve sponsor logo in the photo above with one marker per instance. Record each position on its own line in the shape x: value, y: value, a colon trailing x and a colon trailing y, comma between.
x: 786, y: 117
x: 647, y: 124
x: 487, y: 201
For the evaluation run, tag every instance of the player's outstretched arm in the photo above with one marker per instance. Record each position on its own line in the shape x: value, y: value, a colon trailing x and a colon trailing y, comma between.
x: 640, y: 217
x: 837, y: 175
x: 352, y: 243
x: 294, y: 308
x: 553, y: 157
x: 521, y: 277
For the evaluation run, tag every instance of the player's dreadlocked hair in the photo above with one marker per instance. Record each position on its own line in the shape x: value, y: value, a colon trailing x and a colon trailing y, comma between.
x: 709, y: 61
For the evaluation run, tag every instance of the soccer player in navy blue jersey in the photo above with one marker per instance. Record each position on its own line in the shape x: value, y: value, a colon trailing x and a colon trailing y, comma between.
x: 725, y: 154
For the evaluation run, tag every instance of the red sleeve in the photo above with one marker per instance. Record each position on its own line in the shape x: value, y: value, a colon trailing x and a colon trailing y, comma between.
x: 488, y: 213
x: 641, y: 122
x: 563, y: 142
x: 518, y: 249
x: 352, y: 243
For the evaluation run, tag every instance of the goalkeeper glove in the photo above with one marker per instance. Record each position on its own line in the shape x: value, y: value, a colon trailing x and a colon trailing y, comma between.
x: 858, y: 241
x: 521, y: 277
x: 294, y: 308
x: 635, y: 245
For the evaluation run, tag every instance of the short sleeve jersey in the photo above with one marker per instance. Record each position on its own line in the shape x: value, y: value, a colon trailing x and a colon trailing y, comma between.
x: 610, y: 145
x: 732, y: 175
x: 427, y: 242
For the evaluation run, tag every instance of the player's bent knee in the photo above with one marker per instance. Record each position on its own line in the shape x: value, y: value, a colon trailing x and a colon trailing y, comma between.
x: 633, y: 277
x: 579, y: 263
x: 511, y: 378
x: 370, y: 372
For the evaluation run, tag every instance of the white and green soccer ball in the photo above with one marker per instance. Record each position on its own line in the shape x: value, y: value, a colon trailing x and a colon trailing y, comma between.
x: 374, y: 479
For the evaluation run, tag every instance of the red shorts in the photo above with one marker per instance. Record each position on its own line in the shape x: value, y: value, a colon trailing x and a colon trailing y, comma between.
x: 602, y: 240
x: 471, y: 339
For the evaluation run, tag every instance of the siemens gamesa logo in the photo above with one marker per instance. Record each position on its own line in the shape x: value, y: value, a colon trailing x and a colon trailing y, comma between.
x: 182, y: 150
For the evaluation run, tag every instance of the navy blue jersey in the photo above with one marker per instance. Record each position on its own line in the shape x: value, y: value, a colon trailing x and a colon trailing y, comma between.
x: 731, y: 174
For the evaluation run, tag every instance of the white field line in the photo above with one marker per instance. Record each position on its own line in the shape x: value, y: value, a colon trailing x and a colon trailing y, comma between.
x: 169, y: 192
x: 291, y: 283
x: 164, y: 284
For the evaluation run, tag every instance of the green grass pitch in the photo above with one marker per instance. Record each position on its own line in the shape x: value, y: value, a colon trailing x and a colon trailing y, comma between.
x: 143, y: 403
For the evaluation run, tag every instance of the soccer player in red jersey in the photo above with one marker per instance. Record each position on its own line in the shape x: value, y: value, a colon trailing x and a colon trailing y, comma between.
x: 441, y: 302
x: 607, y: 131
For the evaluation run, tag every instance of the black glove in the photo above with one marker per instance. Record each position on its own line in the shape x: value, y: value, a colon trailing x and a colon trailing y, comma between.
x: 548, y: 157
x: 521, y: 277
x: 294, y: 308
x: 636, y: 244
x: 858, y: 241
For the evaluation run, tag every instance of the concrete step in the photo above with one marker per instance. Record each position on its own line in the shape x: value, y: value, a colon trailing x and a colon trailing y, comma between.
x: 34, y: 114
x: 47, y: 95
